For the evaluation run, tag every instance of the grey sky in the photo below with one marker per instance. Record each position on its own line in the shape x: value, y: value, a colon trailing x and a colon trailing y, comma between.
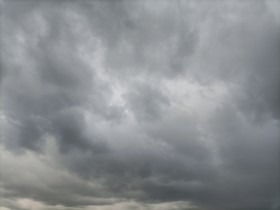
x: 146, y: 105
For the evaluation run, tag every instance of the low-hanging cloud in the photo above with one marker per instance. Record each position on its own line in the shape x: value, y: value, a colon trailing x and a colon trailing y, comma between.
x: 139, y: 105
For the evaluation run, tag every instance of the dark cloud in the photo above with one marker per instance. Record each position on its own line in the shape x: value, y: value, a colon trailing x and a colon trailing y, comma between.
x: 139, y: 105
x: 146, y: 102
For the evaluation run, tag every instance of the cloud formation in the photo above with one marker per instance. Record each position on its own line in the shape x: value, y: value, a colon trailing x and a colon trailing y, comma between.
x: 139, y: 105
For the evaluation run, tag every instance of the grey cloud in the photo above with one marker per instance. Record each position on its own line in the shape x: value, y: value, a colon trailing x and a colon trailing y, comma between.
x: 154, y: 168
x: 249, y: 154
x: 51, y: 80
x: 262, y: 85
x: 88, y: 111
x: 136, y: 36
x: 147, y: 102
x: 69, y: 129
x: 47, y: 182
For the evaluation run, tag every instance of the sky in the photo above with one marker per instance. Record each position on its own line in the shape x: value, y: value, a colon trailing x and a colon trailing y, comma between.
x: 139, y: 105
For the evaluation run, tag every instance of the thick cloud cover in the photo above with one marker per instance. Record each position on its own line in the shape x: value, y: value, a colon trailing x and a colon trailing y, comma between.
x: 109, y: 105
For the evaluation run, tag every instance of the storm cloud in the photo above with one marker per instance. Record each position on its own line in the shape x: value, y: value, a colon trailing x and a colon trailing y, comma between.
x: 145, y: 105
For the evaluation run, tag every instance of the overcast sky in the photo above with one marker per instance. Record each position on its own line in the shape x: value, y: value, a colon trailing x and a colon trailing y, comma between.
x: 140, y: 105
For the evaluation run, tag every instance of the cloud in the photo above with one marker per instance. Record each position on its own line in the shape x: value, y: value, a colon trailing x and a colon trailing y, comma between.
x: 146, y: 102
x: 139, y: 105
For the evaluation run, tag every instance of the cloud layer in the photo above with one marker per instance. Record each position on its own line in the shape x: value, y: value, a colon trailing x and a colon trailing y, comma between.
x: 110, y: 105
